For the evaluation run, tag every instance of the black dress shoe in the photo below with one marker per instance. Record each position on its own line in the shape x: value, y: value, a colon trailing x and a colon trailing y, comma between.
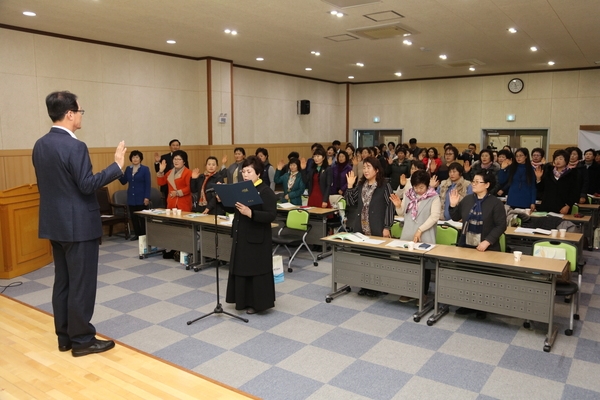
x: 98, y: 347
x: 66, y: 347
x: 133, y: 238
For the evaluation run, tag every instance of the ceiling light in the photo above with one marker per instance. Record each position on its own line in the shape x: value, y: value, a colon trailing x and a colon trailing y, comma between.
x: 550, y: 62
x: 339, y: 15
x: 443, y: 56
x: 398, y: 74
x: 533, y: 48
x: 230, y: 31
x: 234, y: 33
x: 406, y: 34
x: 260, y: 59
x: 350, y: 77
x: 316, y: 53
x: 407, y: 42
x: 227, y: 30
x: 336, y: 14
x: 512, y: 30
x: 333, y: 12
x: 170, y: 41
x: 360, y: 64
x: 29, y: 13
x: 471, y: 68
x: 308, y: 69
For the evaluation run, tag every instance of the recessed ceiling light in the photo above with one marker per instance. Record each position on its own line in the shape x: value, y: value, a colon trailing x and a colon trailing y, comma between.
x: 170, y: 41
x: 260, y: 59
x: 350, y: 77
x: 512, y: 30
x: 398, y: 74
x: 360, y: 64
x: 231, y: 31
x: 234, y: 33
x: 29, y: 13
x: 550, y: 62
x: 406, y: 34
x: 227, y: 30
x: 333, y: 12
x: 533, y: 48
x: 443, y: 56
x: 471, y: 68
x: 316, y: 53
x: 308, y: 69
x: 336, y: 14
x: 407, y: 42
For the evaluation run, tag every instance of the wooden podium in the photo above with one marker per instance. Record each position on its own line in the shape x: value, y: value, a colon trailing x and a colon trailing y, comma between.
x: 22, y: 251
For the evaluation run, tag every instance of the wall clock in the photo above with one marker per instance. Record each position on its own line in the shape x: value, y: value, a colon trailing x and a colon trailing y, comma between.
x: 515, y: 85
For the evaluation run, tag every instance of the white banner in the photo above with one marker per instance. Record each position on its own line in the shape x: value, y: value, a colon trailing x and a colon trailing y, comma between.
x: 588, y: 140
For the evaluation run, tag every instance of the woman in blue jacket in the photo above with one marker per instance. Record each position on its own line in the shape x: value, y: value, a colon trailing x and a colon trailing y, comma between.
x: 138, y: 192
x: 293, y: 185
x: 520, y: 188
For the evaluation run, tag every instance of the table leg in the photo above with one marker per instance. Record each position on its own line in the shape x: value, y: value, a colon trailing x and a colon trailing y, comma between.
x: 438, y: 311
x: 551, y: 335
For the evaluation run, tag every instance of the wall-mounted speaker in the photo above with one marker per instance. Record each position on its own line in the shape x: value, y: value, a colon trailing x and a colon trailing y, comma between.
x: 303, y: 107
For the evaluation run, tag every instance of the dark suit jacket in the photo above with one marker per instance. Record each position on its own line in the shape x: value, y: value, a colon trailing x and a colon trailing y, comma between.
x: 69, y: 211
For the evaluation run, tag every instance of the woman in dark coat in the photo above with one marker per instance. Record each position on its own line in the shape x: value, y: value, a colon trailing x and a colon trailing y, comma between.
x: 138, y: 192
x: 251, y: 284
x: 317, y: 179
x: 206, y: 202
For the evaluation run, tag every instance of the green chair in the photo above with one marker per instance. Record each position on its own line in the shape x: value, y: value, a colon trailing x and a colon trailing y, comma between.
x: 574, y: 209
x: 339, y: 223
x: 566, y: 288
x: 396, y: 230
x: 502, y: 241
x: 447, y: 235
x: 294, y: 234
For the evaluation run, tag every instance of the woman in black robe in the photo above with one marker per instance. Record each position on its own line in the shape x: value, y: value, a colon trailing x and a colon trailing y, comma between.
x: 251, y: 285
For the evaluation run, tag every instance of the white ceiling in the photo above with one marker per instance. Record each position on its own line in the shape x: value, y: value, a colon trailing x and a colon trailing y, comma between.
x: 285, y: 32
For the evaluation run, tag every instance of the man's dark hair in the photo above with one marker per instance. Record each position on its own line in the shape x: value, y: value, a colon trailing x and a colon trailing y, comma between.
x: 136, y: 153
x: 392, y: 143
x: 255, y: 163
x: 412, y: 141
x: 336, y: 143
x: 173, y: 141
x: 262, y: 150
x: 60, y: 103
x: 315, y: 145
x: 240, y: 149
x: 400, y: 149
x: 293, y: 154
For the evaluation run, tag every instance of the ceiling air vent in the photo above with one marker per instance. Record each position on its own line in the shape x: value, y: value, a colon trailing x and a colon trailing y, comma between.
x: 462, y: 63
x: 341, y: 38
x: 381, y: 31
x: 384, y: 16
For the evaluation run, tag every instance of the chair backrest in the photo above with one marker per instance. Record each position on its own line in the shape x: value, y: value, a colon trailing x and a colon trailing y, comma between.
x: 156, y: 198
x: 574, y: 209
x: 446, y: 235
x: 297, y: 219
x: 502, y: 241
x: 396, y: 230
x: 342, y: 204
x: 120, y: 197
x: 569, y: 249
x: 104, y: 201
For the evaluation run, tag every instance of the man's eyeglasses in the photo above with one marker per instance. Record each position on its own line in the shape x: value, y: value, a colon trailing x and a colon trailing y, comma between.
x: 79, y: 111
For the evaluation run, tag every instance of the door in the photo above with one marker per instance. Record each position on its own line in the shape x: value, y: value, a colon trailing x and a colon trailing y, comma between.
x: 530, y: 142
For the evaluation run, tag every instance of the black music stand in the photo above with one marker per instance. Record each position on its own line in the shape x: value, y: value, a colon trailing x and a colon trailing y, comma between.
x: 218, y: 308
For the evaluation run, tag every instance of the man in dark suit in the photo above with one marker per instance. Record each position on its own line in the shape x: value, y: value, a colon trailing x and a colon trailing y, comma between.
x: 70, y: 218
x: 174, y: 145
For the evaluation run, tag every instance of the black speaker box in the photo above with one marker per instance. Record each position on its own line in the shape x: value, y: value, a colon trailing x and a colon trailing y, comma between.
x: 303, y: 107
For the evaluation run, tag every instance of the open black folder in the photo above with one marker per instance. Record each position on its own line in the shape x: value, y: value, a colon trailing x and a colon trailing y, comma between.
x: 242, y: 192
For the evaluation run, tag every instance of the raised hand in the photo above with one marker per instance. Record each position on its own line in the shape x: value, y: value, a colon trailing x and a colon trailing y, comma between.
x: 280, y: 165
x: 195, y: 173
x: 224, y: 159
x: 403, y: 180
x: 396, y: 200
x: 506, y: 163
x: 467, y: 165
x: 156, y: 157
x: 539, y: 172
x: 351, y: 178
x: 454, y: 198
x: 390, y: 160
x: 303, y: 163
x: 163, y: 166
x: 434, y: 182
x: 120, y: 154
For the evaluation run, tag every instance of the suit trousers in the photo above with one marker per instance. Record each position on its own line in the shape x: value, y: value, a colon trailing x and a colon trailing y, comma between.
x: 74, y: 292
x: 139, y: 223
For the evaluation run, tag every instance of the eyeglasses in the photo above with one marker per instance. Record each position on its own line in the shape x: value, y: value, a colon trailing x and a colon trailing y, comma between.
x: 477, y: 182
x: 79, y: 111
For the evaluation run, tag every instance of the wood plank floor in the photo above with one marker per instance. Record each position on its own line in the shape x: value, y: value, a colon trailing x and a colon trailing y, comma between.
x: 32, y: 367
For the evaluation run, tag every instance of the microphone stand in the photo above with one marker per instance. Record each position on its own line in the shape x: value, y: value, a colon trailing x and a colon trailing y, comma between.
x: 218, y: 308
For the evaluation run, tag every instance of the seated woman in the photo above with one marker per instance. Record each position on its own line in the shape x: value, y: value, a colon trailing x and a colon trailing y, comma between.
x: 483, y: 216
x: 374, y: 211
x: 558, y: 184
x: 455, y: 181
x: 251, y: 285
x: 293, y: 185
x: 206, y: 202
x: 421, y: 209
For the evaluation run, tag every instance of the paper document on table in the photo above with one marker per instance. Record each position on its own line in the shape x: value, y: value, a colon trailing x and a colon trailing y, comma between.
x: 226, y: 223
x: 154, y: 211
x: 532, y: 230
x: 286, y: 205
x: 355, y: 237
x: 398, y: 243
x: 194, y: 215
x: 373, y: 241
x: 553, y: 214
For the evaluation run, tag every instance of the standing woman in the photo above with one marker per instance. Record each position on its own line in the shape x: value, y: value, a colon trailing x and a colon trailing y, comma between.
x: 251, y: 285
x: 434, y: 162
x: 339, y: 182
x: 520, y: 188
x: 206, y: 202
x: 350, y: 150
x: 179, y: 194
x: 317, y: 179
x: 485, y: 162
x: 138, y: 191
x: 293, y: 185
x: 268, y: 175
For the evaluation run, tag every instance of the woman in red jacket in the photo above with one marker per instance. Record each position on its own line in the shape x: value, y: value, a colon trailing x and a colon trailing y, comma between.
x: 178, y: 180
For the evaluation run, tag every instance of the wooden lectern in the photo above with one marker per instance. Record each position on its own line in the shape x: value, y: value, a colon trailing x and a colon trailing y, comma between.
x: 22, y: 251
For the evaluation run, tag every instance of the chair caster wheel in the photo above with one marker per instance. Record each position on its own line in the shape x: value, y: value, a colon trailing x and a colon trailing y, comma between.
x: 141, y: 257
x: 417, y: 319
x: 290, y: 270
x: 316, y: 264
x: 576, y: 316
x: 568, y: 332
x: 526, y: 325
x: 547, y: 348
x: 187, y: 267
x: 196, y: 269
x: 328, y: 300
x: 429, y: 323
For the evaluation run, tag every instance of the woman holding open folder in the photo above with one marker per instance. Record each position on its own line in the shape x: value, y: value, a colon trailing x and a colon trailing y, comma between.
x: 251, y: 285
